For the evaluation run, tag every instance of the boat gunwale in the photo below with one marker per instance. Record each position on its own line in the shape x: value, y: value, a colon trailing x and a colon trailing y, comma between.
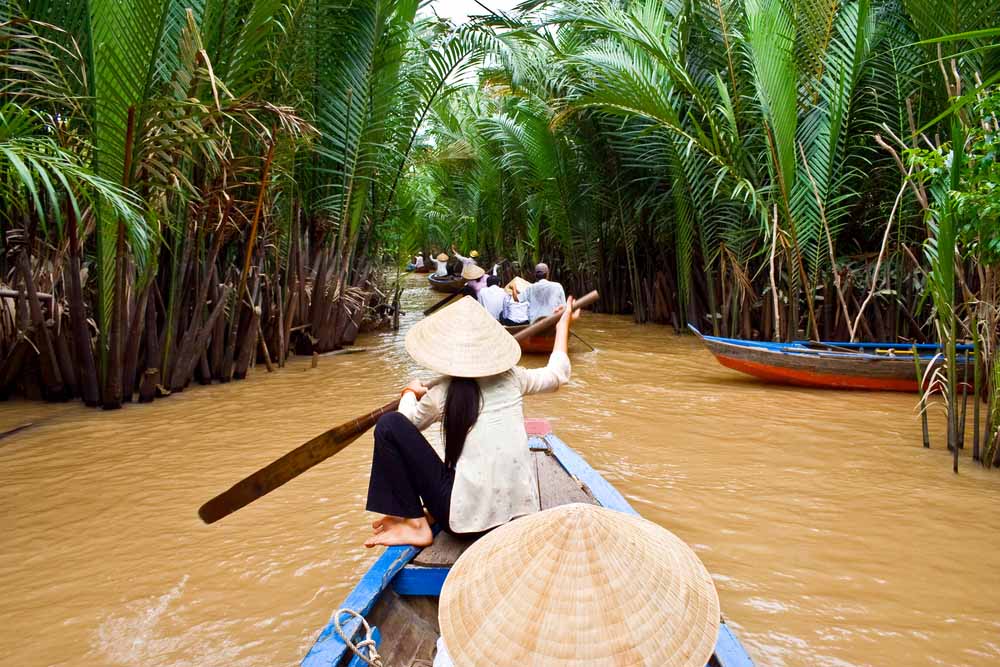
x: 805, y: 347
x: 329, y: 649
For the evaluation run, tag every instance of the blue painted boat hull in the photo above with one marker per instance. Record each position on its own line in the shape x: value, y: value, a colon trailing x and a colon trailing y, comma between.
x: 833, y: 365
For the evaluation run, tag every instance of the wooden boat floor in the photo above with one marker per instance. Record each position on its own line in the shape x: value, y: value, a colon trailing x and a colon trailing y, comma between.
x: 409, y: 624
x: 555, y: 487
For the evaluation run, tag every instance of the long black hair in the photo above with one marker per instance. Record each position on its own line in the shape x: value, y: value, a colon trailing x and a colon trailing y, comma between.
x: 461, y: 410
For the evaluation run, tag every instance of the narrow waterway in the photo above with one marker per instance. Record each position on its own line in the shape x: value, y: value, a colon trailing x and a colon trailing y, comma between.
x: 835, y: 539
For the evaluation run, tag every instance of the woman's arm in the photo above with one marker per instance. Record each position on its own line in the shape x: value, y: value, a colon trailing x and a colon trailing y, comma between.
x: 458, y: 256
x: 556, y: 373
x: 419, y: 405
x: 562, y: 328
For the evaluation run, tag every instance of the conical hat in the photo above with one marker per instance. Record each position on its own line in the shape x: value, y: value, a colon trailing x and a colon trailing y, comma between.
x: 472, y: 272
x: 462, y: 340
x: 579, y: 586
x: 442, y: 257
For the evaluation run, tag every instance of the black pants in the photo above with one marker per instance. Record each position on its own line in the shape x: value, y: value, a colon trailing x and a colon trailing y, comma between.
x: 511, y: 323
x: 407, y: 474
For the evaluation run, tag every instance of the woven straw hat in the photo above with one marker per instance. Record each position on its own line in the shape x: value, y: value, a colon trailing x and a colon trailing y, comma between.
x: 579, y: 586
x: 462, y: 340
x: 474, y: 253
x: 472, y: 272
x: 442, y: 257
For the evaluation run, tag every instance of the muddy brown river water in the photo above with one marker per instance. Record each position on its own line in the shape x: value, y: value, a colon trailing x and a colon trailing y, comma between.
x: 834, y: 538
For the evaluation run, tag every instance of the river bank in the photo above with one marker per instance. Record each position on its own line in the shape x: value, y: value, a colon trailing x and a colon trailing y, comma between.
x: 834, y: 537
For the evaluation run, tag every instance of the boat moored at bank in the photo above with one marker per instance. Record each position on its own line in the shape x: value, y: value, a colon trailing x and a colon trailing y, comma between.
x: 832, y: 365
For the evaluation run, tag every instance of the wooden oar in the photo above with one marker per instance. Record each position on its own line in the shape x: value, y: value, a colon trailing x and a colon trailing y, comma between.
x: 441, y: 302
x: 325, y: 445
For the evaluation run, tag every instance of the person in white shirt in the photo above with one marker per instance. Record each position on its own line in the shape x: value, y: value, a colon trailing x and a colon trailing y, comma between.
x: 466, y: 261
x: 543, y: 295
x: 488, y: 475
x: 418, y: 262
x: 492, y: 297
x: 441, y: 261
x: 514, y: 312
x: 475, y: 280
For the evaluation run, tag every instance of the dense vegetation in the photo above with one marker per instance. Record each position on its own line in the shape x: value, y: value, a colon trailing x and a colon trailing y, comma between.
x: 193, y: 185
x: 760, y: 168
x: 188, y: 184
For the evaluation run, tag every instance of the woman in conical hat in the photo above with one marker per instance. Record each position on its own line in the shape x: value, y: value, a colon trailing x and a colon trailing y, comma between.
x: 487, y: 476
x: 578, y: 586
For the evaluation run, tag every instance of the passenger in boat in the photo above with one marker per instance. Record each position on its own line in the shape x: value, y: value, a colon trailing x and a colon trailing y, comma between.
x: 475, y: 280
x: 515, y: 313
x: 487, y: 476
x: 466, y: 261
x: 418, y: 261
x: 543, y: 295
x: 441, y: 261
x: 492, y: 297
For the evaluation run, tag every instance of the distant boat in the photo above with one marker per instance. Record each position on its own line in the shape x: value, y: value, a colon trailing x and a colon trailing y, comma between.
x: 447, y: 283
x: 398, y: 596
x: 540, y: 344
x: 829, y: 365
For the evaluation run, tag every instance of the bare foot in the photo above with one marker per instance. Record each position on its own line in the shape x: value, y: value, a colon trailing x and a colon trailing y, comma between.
x: 383, y: 522
x: 414, y: 532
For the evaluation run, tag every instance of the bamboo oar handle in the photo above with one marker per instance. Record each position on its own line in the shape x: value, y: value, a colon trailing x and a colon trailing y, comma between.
x: 547, y: 323
x: 325, y: 445
x: 441, y: 303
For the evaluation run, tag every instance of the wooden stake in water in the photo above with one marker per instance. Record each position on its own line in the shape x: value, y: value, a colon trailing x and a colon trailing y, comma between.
x: 965, y: 402
x: 977, y: 384
x: 923, y: 398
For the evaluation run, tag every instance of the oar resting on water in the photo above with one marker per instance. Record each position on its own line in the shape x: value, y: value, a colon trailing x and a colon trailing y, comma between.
x: 325, y: 445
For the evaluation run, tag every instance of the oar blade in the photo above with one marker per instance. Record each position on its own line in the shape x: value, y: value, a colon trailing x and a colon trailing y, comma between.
x: 289, y: 466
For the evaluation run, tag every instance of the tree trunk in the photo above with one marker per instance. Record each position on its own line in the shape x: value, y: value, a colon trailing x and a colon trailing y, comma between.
x: 132, y: 346
x: 151, y: 376
x: 78, y: 322
x: 54, y: 388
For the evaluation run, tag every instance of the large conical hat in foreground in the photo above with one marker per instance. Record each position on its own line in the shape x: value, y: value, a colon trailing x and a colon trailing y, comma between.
x: 579, y: 586
x: 462, y: 340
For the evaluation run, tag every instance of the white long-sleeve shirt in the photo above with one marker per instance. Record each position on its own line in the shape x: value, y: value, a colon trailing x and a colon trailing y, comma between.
x: 464, y: 260
x: 495, y: 478
x: 442, y: 267
x: 543, y: 297
x: 515, y: 311
x: 492, y: 299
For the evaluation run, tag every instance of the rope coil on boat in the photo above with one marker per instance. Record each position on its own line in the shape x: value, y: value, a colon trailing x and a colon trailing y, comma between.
x: 373, y: 659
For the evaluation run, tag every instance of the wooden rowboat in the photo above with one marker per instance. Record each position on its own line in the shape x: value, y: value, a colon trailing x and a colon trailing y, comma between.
x: 831, y: 365
x: 449, y: 284
x: 398, y: 596
x: 541, y: 344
